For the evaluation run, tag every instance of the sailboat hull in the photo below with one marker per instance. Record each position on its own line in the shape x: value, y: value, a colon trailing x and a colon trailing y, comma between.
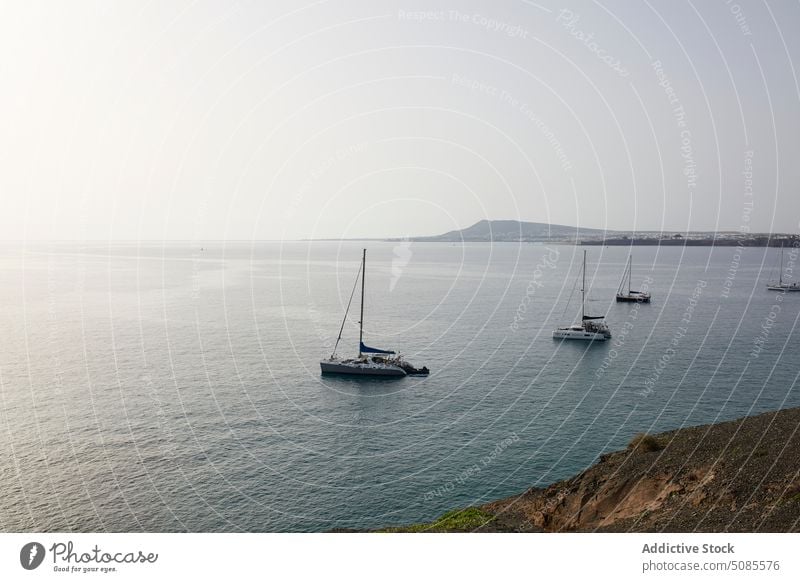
x: 633, y: 298
x: 360, y: 368
x: 575, y: 334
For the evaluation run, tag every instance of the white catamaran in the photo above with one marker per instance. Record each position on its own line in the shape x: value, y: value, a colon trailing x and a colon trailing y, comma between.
x: 631, y: 295
x: 370, y: 361
x: 779, y: 285
x: 591, y: 328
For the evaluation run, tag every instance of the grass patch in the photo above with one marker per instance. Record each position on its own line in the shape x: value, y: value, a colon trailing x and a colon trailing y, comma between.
x: 458, y: 520
x: 646, y: 443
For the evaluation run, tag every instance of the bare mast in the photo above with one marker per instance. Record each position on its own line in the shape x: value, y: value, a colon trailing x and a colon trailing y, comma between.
x: 583, y: 290
x: 361, y: 319
x: 630, y: 269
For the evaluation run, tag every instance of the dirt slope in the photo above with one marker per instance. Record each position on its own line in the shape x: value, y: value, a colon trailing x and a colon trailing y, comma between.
x: 742, y: 475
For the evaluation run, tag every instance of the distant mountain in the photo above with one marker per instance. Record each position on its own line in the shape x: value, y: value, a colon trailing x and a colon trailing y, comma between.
x: 514, y: 231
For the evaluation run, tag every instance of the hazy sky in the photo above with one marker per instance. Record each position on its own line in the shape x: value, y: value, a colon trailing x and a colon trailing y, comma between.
x: 282, y: 120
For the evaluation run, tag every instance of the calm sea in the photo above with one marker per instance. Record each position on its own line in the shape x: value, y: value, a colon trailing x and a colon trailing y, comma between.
x: 167, y: 388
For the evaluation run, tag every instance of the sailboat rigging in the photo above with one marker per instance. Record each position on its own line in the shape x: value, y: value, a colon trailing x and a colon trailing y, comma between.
x: 631, y: 295
x: 370, y: 361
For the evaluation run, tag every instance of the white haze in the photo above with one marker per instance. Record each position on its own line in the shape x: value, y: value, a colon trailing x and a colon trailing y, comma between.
x: 361, y: 118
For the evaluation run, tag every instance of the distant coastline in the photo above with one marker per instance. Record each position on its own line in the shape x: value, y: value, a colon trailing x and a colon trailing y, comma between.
x: 754, y: 241
x: 538, y: 232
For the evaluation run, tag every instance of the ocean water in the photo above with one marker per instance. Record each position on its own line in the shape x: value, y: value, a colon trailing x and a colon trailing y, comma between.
x: 161, y: 387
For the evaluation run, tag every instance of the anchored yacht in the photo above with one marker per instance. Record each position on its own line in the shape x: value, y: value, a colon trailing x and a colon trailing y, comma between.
x: 370, y: 361
x: 780, y: 285
x: 631, y: 295
x: 591, y: 327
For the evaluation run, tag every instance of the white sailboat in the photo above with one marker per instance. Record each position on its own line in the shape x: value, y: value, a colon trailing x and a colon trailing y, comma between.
x: 591, y: 328
x: 631, y: 295
x: 779, y: 285
x: 370, y: 361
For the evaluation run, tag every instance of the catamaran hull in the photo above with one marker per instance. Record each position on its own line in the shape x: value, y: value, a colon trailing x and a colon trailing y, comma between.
x: 783, y: 288
x: 360, y: 370
x: 571, y: 334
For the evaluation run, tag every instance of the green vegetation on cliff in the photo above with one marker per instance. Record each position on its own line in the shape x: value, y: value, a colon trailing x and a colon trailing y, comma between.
x: 459, y: 520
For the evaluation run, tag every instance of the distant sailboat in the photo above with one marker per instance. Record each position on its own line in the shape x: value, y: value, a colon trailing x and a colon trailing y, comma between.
x: 779, y: 285
x: 591, y: 328
x: 630, y: 296
x: 370, y: 361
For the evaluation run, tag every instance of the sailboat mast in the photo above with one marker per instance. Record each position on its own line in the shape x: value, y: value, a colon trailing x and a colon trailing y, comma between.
x: 583, y: 289
x: 780, y: 274
x: 630, y: 270
x: 361, y: 319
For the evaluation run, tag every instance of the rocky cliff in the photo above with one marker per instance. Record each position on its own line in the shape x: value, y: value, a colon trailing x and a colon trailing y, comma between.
x: 738, y: 476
